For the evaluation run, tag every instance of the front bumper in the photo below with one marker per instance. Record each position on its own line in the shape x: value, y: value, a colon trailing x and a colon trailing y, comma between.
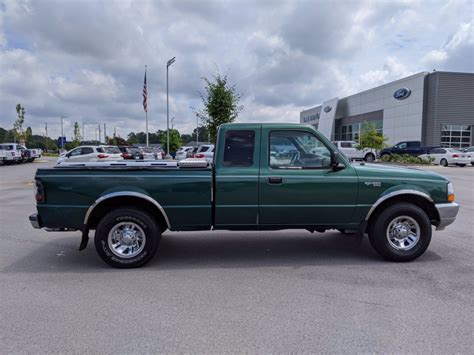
x: 447, y: 214
x: 35, y: 221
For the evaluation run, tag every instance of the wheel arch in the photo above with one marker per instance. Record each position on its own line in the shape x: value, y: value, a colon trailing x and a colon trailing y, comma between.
x: 108, y: 202
x: 418, y: 198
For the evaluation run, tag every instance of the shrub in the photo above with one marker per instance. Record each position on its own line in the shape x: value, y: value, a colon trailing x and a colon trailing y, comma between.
x: 405, y: 159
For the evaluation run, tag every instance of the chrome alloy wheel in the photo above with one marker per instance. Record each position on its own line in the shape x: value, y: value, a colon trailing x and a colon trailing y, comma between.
x: 126, y: 239
x: 403, y: 233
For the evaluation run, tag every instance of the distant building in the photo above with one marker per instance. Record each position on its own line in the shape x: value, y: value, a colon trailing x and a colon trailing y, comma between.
x: 436, y: 108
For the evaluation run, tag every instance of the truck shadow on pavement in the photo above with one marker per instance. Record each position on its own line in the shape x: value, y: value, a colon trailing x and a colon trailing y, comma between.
x: 207, y: 250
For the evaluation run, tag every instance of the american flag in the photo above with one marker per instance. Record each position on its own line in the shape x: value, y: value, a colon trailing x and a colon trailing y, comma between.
x: 145, y: 94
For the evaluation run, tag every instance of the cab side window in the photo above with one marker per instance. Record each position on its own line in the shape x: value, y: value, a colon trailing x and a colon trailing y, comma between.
x: 297, y: 150
x: 239, y: 148
x: 87, y: 150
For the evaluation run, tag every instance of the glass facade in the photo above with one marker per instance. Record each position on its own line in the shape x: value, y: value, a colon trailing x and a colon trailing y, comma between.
x: 455, y: 136
x: 351, y: 132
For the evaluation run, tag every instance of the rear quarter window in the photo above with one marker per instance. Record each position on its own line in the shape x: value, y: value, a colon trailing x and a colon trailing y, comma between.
x: 239, y: 148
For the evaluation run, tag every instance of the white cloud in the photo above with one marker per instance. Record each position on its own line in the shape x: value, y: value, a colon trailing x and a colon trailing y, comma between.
x: 85, y: 60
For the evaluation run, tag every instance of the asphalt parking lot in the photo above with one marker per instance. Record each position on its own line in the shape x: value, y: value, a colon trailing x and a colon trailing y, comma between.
x: 285, y: 291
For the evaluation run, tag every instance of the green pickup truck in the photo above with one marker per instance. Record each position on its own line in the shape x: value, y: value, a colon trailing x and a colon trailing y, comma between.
x: 263, y: 177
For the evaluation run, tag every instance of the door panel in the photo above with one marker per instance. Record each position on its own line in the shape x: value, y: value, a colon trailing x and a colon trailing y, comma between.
x: 237, y: 171
x: 304, y: 197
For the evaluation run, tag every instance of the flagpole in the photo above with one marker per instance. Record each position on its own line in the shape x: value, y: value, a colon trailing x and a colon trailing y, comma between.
x: 146, y: 112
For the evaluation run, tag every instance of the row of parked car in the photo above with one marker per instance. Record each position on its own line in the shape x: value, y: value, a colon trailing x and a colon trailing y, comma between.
x: 204, y: 151
x: 98, y: 153
x: 439, y: 155
x: 14, y: 153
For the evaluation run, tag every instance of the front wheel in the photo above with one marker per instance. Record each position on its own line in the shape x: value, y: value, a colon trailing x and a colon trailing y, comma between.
x: 402, y: 232
x: 443, y: 162
x: 127, y: 238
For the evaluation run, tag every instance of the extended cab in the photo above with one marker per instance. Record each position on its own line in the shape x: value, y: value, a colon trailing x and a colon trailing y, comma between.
x: 249, y: 186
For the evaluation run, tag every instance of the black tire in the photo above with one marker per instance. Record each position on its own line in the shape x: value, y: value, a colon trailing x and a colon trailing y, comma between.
x: 380, y: 241
x: 141, y: 221
x: 443, y: 162
x: 472, y: 164
x: 369, y: 157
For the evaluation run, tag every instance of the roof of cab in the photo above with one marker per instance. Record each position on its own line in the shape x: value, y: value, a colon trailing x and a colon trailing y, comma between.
x: 257, y: 125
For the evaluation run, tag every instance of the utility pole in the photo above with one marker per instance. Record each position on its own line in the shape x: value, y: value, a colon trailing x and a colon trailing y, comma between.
x: 100, y: 137
x: 83, y: 138
x: 46, y: 135
x: 105, y: 134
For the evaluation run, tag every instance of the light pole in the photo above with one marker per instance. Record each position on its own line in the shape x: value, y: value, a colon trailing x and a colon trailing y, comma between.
x: 168, y: 64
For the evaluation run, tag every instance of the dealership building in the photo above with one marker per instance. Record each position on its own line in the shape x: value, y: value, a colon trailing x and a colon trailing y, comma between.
x: 435, y: 108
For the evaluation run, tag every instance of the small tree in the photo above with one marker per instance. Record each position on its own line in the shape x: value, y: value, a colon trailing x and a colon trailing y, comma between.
x: 77, y: 133
x: 18, y: 124
x: 175, y: 140
x: 370, y: 137
x: 221, y: 104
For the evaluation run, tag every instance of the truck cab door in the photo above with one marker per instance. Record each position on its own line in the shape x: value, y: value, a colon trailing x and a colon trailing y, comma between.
x: 303, y: 191
x: 236, y: 162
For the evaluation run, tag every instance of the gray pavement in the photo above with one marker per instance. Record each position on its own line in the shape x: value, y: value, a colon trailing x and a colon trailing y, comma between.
x: 285, y: 291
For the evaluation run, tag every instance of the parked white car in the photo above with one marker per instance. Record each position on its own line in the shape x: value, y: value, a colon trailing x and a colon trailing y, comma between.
x: 9, y: 156
x: 447, y: 156
x: 90, y: 153
x: 349, y: 149
x: 22, y: 154
x: 182, y: 153
x: 470, y: 153
x: 205, y: 151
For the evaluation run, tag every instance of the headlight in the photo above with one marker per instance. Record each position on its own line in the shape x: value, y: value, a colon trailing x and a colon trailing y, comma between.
x: 450, y: 192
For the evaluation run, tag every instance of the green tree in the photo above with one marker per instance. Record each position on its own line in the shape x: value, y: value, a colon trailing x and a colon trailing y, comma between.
x: 221, y: 104
x: 370, y: 137
x: 175, y: 140
x: 132, y: 138
x: 28, y: 133
x: 117, y: 141
x: 77, y: 133
x: 18, y: 124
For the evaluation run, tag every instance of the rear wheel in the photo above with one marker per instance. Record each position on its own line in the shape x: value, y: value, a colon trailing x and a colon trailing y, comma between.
x: 443, y: 162
x: 127, y: 238
x: 402, y: 232
x: 369, y: 157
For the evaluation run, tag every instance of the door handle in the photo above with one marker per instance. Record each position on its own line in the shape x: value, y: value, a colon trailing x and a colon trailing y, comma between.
x: 275, y: 180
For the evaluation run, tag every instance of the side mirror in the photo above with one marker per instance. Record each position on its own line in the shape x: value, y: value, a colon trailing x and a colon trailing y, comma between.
x: 68, y: 155
x: 334, y: 160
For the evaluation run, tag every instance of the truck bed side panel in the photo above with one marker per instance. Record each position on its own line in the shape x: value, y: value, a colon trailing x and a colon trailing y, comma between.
x: 185, y: 195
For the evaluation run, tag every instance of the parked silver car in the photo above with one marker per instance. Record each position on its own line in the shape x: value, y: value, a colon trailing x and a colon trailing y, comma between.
x: 447, y: 156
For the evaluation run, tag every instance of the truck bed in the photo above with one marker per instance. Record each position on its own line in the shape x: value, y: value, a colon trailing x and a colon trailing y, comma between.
x: 183, y: 192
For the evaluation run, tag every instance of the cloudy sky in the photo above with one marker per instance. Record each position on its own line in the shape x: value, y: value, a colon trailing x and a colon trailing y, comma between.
x: 85, y: 59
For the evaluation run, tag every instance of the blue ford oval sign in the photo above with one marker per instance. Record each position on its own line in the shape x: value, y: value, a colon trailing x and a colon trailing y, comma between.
x: 402, y: 93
